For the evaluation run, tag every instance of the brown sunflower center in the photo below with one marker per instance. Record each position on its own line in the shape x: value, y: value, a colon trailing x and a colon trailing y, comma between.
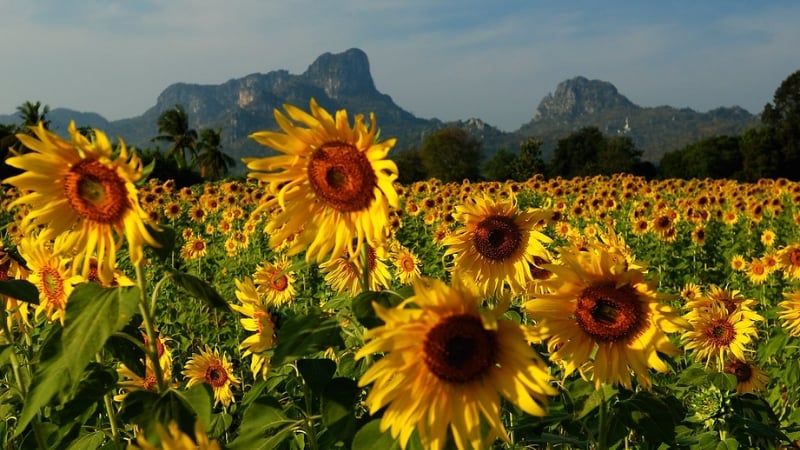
x: 53, y: 286
x: 497, y: 237
x: 459, y: 349
x: 96, y: 192
x: 280, y: 283
x: 407, y: 264
x: 609, y: 313
x: 4, y: 268
x: 149, y: 383
x: 794, y: 258
x: 720, y: 332
x: 741, y: 370
x: 342, y: 177
x: 216, y: 375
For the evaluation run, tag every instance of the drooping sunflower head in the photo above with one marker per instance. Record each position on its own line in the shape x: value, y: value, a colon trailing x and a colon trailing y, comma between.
x: 603, y: 317
x: 330, y: 177
x: 79, y: 192
x: 497, y: 242
x: 445, y: 363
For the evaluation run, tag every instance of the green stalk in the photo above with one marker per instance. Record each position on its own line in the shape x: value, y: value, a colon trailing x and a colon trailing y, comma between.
x: 109, y: 405
x: 147, y: 320
x: 41, y: 442
x: 603, y: 431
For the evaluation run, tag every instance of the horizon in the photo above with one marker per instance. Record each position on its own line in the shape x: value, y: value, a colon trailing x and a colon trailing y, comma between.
x: 492, y: 62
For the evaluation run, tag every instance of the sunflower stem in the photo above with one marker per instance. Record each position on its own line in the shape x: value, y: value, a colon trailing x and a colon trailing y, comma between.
x: 112, y: 417
x: 309, y: 421
x: 15, y: 368
x: 151, y: 349
x: 602, y: 436
x: 364, y: 267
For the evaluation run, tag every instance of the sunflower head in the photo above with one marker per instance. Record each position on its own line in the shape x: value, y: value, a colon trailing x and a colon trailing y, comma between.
x: 331, y: 180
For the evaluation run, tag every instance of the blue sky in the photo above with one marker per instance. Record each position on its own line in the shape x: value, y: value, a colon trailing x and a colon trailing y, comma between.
x: 446, y: 59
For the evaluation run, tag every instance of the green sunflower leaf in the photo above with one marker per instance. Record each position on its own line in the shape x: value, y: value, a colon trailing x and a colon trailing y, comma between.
x: 199, y: 289
x: 92, y: 314
x: 22, y: 290
x: 264, y: 426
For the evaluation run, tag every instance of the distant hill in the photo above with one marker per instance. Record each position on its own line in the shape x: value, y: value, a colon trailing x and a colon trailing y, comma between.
x: 579, y: 102
x: 244, y: 105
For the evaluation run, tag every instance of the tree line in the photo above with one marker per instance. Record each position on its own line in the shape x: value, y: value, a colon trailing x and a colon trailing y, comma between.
x: 771, y: 150
x: 191, y: 157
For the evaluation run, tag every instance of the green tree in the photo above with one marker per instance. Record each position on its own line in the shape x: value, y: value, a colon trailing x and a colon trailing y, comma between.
x: 576, y: 154
x: 211, y: 161
x: 501, y: 167
x: 33, y: 113
x: 618, y: 155
x: 173, y: 124
x: 529, y: 162
x: 761, y: 154
x: 714, y: 157
x: 451, y: 154
x: 782, y: 116
x: 409, y: 165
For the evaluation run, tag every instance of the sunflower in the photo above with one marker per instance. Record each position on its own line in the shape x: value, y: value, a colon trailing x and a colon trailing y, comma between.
x: 768, y: 238
x: 333, y: 181
x: 597, y: 304
x: 790, y: 312
x: 497, y: 243
x: 215, y: 370
x: 275, y: 281
x: 76, y: 189
x: 445, y: 362
x: 172, y: 438
x: 52, y: 277
x: 749, y: 378
x: 194, y: 248
x: 717, y: 334
x: 345, y: 274
x: 731, y: 301
x: 756, y: 271
x: 130, y: 381
x: 738, y: 263
x: 406, y: 264
x: 789, y: 261
x: 258, y: 320
x: 16, y: 310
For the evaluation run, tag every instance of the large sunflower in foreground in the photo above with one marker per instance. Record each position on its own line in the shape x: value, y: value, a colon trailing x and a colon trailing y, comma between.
x: 333, y: 183
x: 77, y: 192
x: 497, y: 243
x: 600, y: 316
x: 445, y: 362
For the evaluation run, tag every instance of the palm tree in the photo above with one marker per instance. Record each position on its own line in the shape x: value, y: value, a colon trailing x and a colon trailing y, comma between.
x: 174, y: 126
x: 31, y: 116
x: 211, y: 160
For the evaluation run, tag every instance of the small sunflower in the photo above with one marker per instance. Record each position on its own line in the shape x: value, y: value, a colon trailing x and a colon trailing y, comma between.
x: 215, y: 370
x: 52, y: 277
x: 768, y: 238
x: 789, y: 313
x: 497, y: 243
x: 16, y: 310
x: 749, y: 378
x: 789, y: 261
x: 345, y: 274
x: 333, y: 181
x: 601, y: 316
x: 172, y: 438
x: 75, y: 189
x: 257, y: 319
x: 717, y: 334
x: 195, y: 248
x: 406, y: 264
x: 757, y: 272
x: 275, y: 281
x: 445, y: 362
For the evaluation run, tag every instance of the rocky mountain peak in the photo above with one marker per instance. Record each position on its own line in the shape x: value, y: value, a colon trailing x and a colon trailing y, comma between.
x: 580, y: 96
x: 341, y: 74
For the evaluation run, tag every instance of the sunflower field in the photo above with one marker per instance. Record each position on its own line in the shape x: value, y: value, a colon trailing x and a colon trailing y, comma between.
x: 319, y: 304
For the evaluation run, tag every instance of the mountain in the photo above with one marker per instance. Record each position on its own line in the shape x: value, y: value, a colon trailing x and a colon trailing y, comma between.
x: 579, y: 102
x: 244, y: 105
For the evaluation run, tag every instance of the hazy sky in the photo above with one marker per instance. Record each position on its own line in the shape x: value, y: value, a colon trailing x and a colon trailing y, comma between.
x: 446, y: 59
